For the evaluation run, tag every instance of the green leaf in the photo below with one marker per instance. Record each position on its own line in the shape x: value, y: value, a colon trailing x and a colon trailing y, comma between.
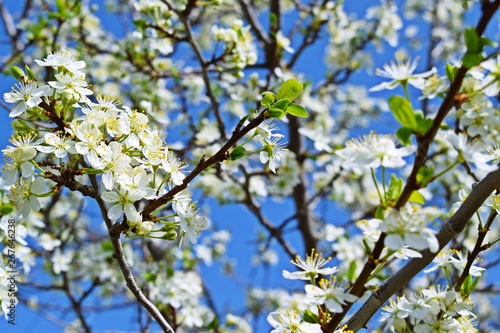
x: 403, y: 134
x: 281, y: 104
x: 140, y: 24
x: 379, y: 213
x: 351, y: 271
x: 475, y: 282
x: 467, y: 285
x: 237, y: 153
x: 424, y: 175
x: 170, y: 271
x: 6, y: 209
x: 289, y: 90
x: 268, y: 98
x: 214, y: 324
x: 472, y: 40
x: 107, y: 246
x: 21, y: 126
x: 471, y: 59
x: 475, y: 45
x: 278, y: 109
x: 61, y: 6
x: 424, y: 125
x: 403, y: 112
x: 149, y: 276
x: 451, y: 71
x: 276, y: 113
x: 415, y: 196
x: 395, y: 188
x: 273, y: 19
x: 297, y: 111
x: 310, y: 317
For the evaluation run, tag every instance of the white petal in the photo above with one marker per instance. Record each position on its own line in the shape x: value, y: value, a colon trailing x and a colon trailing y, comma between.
x: 115, y: 212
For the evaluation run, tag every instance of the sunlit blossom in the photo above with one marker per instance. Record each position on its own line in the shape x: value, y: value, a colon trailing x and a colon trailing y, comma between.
x: 401, y: 73
x: 310, y: 268
x: 290, y: 321
x: 26, y: 95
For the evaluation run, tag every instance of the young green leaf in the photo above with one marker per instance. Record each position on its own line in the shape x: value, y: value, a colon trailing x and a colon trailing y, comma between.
x: 451, y: 71
x: 403, y: 134
x: 395, y: 188
x: 289, y: 90
x: 475, y: 45
x: 403, y: 112
x: 278, y: 109
x: 424, y: 175
x: 297, y: 111
x: 310, y: 317
x: 424, y: 125
x: 268, y: 98
x: 415, y: 196
x: 472, y: 41
x: 6, y: 209
x: 379, y: 213
x: 351, y: 271
x: 470, y: 59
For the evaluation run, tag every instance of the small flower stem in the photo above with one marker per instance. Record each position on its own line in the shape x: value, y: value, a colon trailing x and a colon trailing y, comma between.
x: 382, y: 201
x: 405, y: 88
x: 451, y: 167
x: 383, y: 181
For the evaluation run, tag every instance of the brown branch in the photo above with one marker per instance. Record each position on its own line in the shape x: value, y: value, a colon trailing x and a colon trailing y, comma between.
x: 254, y: 22
x: 184, y: 17
x: 203, y: 164
x: 77, y: 306
x: 478, y: 248
x: 125, y: 266
x: 299, y: 191
x: 274, y: 232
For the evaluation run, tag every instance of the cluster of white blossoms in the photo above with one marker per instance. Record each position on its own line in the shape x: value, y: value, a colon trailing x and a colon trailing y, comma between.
x: 318, y: 292
x: 182, y: 291
x: 431, y: 310
x: 373, y: 151
x: 117, y: 144
x: 456, y: 259
x: 133, y: 161
x: 404, y: 227
x: 239, y: 50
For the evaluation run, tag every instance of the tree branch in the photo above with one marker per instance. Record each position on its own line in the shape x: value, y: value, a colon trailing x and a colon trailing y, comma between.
x: 454, y: 226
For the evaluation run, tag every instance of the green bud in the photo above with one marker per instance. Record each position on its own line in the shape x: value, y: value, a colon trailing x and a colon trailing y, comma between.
x: 18, y: 74
x: 171, y: 235
x: 237, y: 153
x: 70, y: 97
x: 144, y: 228
x: 30, y: 73
x: 20, y: 125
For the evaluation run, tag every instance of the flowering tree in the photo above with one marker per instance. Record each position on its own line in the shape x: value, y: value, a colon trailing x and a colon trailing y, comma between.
x: 101, y: 207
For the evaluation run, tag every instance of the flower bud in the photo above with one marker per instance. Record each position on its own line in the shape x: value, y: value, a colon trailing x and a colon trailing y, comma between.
x: 144, y: 228
x: 18, y: 74
x: 171, y: 235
